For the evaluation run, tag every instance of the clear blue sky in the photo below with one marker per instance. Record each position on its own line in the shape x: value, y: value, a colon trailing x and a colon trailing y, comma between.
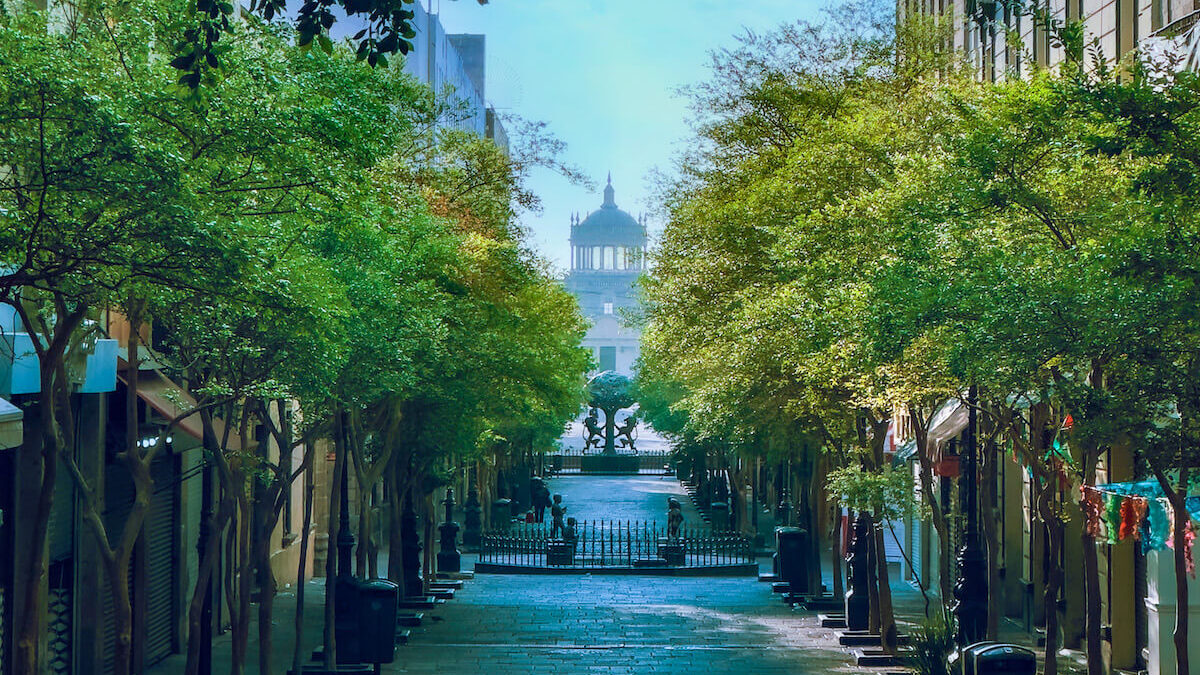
x: 603, y: 75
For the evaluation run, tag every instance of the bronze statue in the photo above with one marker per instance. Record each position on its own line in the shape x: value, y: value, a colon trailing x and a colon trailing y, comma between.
x: 674, y: 518
x: 594, y: 435
x: 627, y: 433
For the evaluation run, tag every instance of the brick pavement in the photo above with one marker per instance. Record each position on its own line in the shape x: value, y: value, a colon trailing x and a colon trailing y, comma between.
x: 500, y: 624
x: 604, y: 624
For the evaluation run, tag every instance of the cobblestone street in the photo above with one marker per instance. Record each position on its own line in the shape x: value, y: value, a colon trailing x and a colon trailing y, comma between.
x: 568, y: 623
x: 585, y: 624
x: 634, y: 624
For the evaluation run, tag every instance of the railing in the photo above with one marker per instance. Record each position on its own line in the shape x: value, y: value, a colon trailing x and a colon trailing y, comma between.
x: 628, y: 544
x: 655, y: 462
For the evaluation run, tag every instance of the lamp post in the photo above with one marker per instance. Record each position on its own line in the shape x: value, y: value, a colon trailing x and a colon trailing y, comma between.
x: 345, y: 538
x: 206, y: 618
x: 970, y: 592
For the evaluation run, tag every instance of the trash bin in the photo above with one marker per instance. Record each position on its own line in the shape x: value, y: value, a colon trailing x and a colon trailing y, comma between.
x: 377, y: 610
x: 993, y: 658
x: 347, y: 618
x: 502, y: 514
x: 791, y: 547
x: 719, y: 516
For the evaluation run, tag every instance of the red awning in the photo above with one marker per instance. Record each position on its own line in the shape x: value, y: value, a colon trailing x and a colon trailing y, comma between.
x: 169, y: 400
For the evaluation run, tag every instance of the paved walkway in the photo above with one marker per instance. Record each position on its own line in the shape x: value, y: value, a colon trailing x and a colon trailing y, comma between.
x: 622, y: 498
x: 604, y: 624
x: 500, y: 624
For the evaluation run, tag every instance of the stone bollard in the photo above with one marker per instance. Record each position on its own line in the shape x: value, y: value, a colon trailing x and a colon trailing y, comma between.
x: 858, y: 602
x: 448, y: 558
x: 502, y: 514
x: 472, y: 515
x: 719, y: 516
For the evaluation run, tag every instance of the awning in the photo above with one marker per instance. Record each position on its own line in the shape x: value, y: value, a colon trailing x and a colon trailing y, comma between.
x: 12, y: 431
x: 169, y: 400
x: 906, y: 452
x: 947, y: 423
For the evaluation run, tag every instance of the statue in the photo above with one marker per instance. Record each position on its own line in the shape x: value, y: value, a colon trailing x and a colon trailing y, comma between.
x: 609, y: 391
x: 556, y: 517
x: 594, y: 435
x: 627, y: 433
x: 674, y: 518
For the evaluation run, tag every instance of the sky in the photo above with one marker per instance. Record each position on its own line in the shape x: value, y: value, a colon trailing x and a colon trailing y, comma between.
x: 604, y: 75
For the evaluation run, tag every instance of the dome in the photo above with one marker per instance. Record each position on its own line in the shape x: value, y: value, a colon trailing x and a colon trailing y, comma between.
x: 608, y: 225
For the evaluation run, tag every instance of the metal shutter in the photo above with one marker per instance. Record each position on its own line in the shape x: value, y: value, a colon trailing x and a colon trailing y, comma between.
x: 160, y: 562
x: 62, y: 512
x: 160, y: 556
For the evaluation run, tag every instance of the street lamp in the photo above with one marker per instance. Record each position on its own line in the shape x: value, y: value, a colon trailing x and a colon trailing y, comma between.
x: 970, y: 593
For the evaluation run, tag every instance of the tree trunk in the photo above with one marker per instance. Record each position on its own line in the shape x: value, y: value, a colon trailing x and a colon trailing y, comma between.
x: 1091, y: 576
x: 245, y: 586
x: 929, y: 495
x: 989, y: 528
x: 1178, y: 501
x: 266, y: 605
x: 29, y: 634
x: 122, y: 614
x: 331, y: 567
x: 1182, y: 666
x: 51, y: 372
x: 208, y: 562
x: 887, y: 619
x: 1053, y: 581
x: 298, y: 650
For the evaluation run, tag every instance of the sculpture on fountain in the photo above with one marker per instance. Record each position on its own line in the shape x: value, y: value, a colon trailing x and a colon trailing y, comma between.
x: 610, y: 391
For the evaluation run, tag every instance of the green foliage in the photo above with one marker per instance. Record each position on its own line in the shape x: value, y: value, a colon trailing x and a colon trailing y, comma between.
x: 887, y: 493
x: 931, y: 643
x: 610, y: 390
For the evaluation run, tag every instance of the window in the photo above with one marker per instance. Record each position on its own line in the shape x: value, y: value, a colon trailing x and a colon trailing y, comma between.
x: 608, y: 358
x: 608, y: 308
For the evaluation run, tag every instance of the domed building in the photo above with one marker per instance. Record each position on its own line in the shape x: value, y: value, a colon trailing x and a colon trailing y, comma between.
x: 608, y: 253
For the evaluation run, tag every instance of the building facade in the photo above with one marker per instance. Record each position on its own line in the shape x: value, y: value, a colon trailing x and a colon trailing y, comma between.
x: 1137, y: 587
x: 76, y: 598
x: 608, y: 254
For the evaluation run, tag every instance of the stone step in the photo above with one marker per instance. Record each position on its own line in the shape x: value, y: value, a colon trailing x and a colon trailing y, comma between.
x: 855, y: 638
x: 832, y: 620
x: 781, y: 587
x: 455, y: 584
x: 768, y: 578
x: 827, y: 603
x: 456, y: 576
x: 875, y: 658
x: 410, y: 619
x: 442, y: 593
x: 402, y: 637
x: 420, y: 602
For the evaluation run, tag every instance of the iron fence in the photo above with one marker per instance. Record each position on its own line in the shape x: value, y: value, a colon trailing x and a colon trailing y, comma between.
x: 652, y: 462
x: 631, y: 544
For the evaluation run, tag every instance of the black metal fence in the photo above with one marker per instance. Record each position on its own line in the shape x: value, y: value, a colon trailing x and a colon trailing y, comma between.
x: 652, y: 462
x: 629, y: 544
